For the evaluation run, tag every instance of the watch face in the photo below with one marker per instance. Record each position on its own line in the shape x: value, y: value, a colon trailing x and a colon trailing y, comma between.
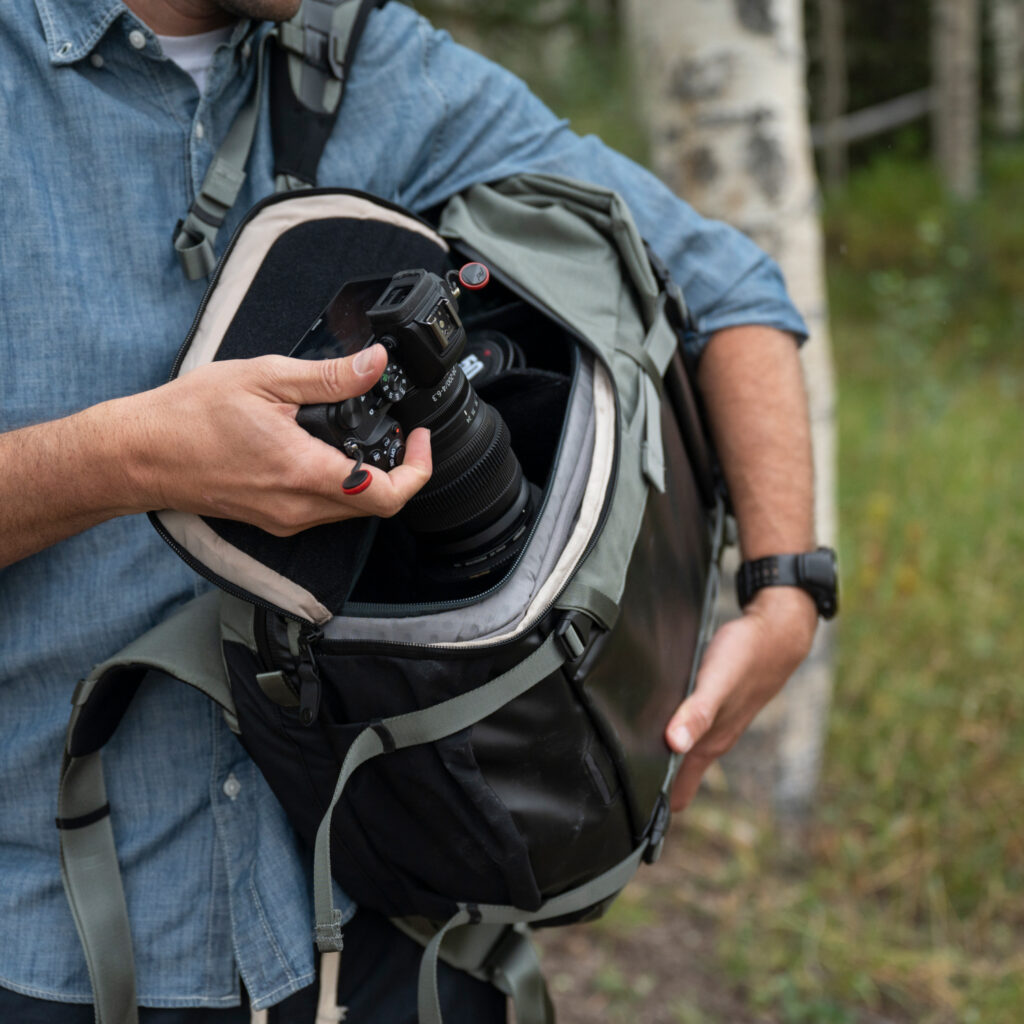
x: 817, y: 571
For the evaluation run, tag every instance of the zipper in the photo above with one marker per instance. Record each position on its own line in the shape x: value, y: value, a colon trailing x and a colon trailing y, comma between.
x: 264, y: 648
x: 302, y: 677
x: 310, y: 686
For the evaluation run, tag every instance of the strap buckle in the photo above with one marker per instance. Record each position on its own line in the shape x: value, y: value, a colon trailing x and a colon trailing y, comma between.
x: 574, y: 634
x: 315, y: 36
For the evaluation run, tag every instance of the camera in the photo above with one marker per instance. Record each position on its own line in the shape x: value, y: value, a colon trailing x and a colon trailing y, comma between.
x: 472, y: 516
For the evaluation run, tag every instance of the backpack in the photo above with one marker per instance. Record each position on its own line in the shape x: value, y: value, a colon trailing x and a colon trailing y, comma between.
x: 521, y: 709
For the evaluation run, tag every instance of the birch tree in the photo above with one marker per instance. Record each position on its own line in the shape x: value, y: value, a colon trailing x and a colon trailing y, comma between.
x: 723, y: 88
x: 832, y: 44
x: 955, y: 121
x: 1006, y: 31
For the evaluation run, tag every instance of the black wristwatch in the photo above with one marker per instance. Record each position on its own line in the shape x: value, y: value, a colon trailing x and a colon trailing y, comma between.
x: 812, y: 571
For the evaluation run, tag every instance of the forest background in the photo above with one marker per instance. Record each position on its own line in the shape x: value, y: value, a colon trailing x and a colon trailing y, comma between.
x: 898, y: 894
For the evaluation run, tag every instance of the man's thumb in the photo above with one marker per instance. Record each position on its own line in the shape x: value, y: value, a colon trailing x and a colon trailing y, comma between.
x: 690, y: 722
x: 309, y: 382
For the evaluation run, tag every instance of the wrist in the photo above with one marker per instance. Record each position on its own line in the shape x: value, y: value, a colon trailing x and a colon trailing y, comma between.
x: 118, y: 457
x: 786, y: 612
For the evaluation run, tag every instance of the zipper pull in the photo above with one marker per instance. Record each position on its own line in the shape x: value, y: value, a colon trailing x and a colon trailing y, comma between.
x: 309, y: 677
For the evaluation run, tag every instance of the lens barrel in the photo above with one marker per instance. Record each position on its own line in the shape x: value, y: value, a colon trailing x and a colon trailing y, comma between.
x: 472, y: 515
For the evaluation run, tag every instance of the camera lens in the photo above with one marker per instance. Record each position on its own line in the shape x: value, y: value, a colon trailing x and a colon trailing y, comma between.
x: 473, y: 514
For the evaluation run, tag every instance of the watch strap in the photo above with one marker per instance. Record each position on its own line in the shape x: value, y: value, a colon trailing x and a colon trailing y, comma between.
x: 812, y: 571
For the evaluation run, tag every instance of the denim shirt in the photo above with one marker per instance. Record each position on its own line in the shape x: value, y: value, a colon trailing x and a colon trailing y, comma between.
x: 105, y: 143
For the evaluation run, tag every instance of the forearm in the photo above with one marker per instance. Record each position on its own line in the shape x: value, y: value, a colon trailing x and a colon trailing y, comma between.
x: 59, y: 478
x: 753, y: 389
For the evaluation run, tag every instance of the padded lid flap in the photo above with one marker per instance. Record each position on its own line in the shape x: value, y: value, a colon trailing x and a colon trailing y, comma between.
x: 281, y: 269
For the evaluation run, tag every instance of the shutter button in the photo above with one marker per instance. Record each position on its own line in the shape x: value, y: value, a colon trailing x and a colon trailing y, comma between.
x: 232, y: 787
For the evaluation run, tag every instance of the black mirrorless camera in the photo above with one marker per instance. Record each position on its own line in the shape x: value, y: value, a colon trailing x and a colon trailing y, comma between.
x: 472, y: 516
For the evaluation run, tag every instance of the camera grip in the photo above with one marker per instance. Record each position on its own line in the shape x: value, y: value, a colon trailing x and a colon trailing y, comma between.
x: 315, y: 419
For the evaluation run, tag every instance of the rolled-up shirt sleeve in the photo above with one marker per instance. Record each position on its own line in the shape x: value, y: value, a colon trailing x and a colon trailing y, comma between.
x: 485, y: 124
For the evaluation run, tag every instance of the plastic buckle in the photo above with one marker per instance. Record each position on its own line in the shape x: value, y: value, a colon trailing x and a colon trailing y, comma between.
x: 573, y: 633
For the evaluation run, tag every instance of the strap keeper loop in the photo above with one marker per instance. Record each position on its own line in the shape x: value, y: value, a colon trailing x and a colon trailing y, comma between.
x: 329, y: 938
x: 83, y: 820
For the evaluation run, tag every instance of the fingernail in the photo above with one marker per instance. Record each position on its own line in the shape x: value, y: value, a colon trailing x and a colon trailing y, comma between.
x: 363, y: 361
x: 681, y: 738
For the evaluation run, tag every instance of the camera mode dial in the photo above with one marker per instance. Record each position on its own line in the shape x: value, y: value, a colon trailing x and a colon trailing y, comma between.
x: 393, y: 383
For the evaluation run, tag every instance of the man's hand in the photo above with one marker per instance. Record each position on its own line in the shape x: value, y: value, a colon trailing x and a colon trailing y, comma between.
x: 747, y: 662
x: 221, y: 441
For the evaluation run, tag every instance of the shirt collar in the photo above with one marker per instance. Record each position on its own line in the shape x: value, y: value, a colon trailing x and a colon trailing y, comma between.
x: 74, y: 27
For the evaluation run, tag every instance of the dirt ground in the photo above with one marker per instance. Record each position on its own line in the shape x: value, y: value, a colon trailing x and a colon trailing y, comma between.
x: 651, y: 960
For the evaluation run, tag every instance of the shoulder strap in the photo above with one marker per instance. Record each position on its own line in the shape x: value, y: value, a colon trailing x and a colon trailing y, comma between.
x: 196, y: 232
x: 186, y: 646
x: 309, y: 65
x: 308, y: 73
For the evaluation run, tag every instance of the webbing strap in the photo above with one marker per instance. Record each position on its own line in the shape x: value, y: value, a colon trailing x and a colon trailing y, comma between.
x: 423, y: 726
x: 195, y: 235
x: 653, y: 357
x: 652, y: 448
x: 517, y: 973
x: 186, y: 646
x: 593, y: 892
x: 92, y: 881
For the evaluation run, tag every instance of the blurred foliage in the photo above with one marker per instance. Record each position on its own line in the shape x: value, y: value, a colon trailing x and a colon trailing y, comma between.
x: 887, y: 50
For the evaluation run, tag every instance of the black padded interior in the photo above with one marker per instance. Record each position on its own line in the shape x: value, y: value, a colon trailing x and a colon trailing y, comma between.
x: 297, y: 279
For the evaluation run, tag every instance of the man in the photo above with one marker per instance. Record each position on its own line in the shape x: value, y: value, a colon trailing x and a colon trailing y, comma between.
x: 107, y: 142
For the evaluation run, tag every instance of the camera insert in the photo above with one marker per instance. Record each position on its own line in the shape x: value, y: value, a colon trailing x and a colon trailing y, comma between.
x: 472, y: 516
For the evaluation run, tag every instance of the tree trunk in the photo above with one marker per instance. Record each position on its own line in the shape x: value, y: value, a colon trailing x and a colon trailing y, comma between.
x: 723, y: 87
x: 955, y: 51
x: 1006, y: 28
x: 833, y: 93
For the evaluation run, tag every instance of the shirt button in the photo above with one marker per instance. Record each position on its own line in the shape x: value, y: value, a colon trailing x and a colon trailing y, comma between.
x: 137, y: 39
x: 232, y: 787
x: 96, y: 60
x: 200, y: 130
x: 246, y: 50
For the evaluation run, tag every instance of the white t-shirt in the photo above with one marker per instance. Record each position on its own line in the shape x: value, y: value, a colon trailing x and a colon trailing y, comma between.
x: 194, y: 54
